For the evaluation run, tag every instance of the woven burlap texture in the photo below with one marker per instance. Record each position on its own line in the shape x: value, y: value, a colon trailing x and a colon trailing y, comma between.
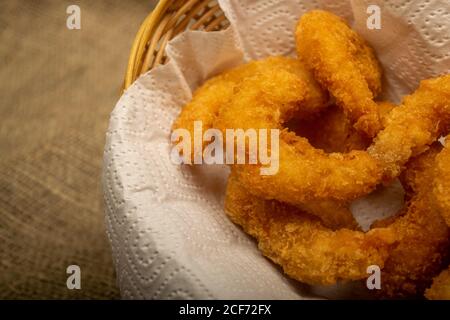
x: 58, y: 88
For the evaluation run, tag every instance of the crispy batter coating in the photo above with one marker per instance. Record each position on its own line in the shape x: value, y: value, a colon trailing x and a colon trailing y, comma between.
x: 214, y: 93
x: 411, y: 127
x: 305, y: 173
x: 442, y: 181
x: 422, y: 233
x: 384, y: 109
x: 440, y: 289
x: 300, y: 244
x: 344, y: 63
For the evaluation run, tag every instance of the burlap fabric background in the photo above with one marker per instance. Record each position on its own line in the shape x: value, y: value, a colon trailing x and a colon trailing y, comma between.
x: 58, y: 87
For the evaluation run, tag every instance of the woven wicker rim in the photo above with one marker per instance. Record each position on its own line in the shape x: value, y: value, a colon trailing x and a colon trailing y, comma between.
x: 168, y: 19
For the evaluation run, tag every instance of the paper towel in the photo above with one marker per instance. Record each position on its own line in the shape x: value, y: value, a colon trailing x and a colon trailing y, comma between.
x: 170, y: 236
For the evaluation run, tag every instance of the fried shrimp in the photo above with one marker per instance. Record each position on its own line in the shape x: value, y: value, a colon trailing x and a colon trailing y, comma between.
x: 442, y: 181
x: 300, y: 244
x: 344, y: 63
x: 411, y: 127
x: 265, y: 101
x: 217, y: 91
x: 440, y: 289
x: 305, y: 173
x: 423, y: 236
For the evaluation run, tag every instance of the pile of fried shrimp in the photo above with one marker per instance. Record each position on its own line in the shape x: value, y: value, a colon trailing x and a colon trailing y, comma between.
x: 337, y: 143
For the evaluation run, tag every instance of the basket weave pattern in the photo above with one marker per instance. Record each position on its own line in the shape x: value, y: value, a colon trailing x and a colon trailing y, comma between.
x: 169, y: 18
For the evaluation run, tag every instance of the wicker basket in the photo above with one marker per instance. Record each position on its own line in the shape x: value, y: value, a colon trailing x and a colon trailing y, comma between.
x: 169, y: 18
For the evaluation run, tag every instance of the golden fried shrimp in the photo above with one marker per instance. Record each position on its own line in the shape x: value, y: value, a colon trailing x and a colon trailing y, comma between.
x: 212, y: 95
x: 423, y: 236
x: 442, y: 181
x: 384, y: 109
x: 306, y: 250
x: 305, y: 173
x: 210, y: 98
x: 411, y: 127
x: 332, y: 131
x: 344, y: 63
x: 440, y: 289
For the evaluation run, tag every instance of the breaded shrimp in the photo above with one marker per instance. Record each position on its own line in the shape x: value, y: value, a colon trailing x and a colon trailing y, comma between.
x: 423, y: 236
x: 305, y: 173
x: 291, y: 88
x: 344, y: 63
x: 440, y: 289
x: 300, y: 244
x: 442, y: 181
x: 411, y: 127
